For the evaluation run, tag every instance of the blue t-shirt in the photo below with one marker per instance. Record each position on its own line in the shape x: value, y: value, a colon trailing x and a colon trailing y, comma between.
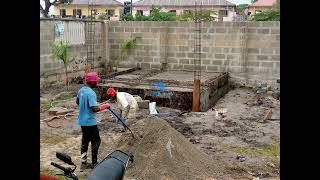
x: 87, y: 99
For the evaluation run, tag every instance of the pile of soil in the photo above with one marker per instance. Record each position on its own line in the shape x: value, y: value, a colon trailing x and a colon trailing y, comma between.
x: 161, y: 152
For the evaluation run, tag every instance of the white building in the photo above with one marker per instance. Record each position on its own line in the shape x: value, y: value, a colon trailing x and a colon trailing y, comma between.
x: 223, y: 7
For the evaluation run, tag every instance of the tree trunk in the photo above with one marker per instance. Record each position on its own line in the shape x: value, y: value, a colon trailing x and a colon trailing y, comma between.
x: 45, y: 10
x: 67, y: 78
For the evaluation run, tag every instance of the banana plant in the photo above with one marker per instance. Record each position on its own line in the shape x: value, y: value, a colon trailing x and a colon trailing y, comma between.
x: 125, y: 46
x: 59, y: 51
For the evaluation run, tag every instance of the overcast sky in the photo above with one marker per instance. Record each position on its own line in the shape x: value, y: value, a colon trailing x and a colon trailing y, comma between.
x: 232, y: 1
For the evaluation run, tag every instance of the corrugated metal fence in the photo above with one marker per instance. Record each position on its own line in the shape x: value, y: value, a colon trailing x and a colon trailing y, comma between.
x: 71, y: 31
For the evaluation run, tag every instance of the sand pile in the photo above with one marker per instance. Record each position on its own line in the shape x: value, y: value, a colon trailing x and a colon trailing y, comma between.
x: 161, y: 152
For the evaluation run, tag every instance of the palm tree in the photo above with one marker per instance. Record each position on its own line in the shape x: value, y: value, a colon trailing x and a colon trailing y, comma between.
x: 60, y: 52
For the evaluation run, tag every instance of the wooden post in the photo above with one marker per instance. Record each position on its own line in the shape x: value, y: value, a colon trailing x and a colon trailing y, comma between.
x: 196, y: 96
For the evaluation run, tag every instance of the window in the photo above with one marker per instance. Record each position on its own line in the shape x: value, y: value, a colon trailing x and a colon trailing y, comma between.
x: 223, y: 13
x: 77, y: 13
x: 140, y: 12
x: 110, y: 12
x: 62, y: 12
x: 173, y: 11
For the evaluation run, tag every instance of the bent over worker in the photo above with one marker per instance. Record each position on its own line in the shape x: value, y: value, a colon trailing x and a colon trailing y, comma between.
x: 126, y: 102
x: 88, y: 107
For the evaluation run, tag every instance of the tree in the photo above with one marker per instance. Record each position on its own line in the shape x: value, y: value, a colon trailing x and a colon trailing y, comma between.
x: 241, y: 7
x: 253, y: 1
x: 204, y: 15
x: 49, y: 3
x: 268, y: 15
x: 60, y: 52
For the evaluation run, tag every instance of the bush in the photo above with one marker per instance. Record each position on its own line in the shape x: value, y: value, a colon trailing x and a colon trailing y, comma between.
x: 126, y: 17
x: 269, y: 15
x: 102, y: 17
x: 191, y: 16
x: 155, y: 15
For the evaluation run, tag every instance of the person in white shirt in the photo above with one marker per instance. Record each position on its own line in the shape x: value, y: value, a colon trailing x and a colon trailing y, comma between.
x: 126, y: 102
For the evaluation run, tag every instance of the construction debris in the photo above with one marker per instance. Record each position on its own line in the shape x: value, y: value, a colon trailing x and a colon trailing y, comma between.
x: 59, y: 111
x: 268, y: 115
x: 241, y: 158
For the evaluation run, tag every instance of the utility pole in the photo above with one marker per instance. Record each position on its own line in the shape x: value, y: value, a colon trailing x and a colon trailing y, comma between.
x: 131, y: 8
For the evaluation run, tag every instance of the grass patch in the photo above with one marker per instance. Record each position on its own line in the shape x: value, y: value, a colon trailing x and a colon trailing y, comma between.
x: 63, y: 96
x: 236, y: 169
x: 47, y: 104
x: 266, y: 150
x: 52, y: 103
x: 51, y: 138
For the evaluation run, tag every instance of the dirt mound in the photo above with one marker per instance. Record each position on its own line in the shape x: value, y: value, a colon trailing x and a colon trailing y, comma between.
x: 161, y: 152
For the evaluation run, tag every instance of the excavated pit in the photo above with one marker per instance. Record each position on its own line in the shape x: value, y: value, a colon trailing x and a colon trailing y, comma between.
x: 178, y: 90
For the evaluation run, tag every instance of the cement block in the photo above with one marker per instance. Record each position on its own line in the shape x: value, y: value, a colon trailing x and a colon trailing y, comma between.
x: 181, y: 55
x: 184, y: 61
x: 171, y: 30
x: 236, y: 50
x: 145, y: 29
x: 266, y: 51
x: 212, y: 68
x: 191, y: 55
x: 263, y: 31
x: 217, y: 62
x: 230, y: 57
x: 183, y: 48
x: 253, y: 50
x: 251, y: 30
x: 147, y: 59
x: 275, y: 57
x: 253, y: 63
x: 253, y: 24
x: 206, y: 62
x: 145, y: 65
x: 155, y: 30
x: 275, y: 31
x: 144, y: 104
x: 188, y: 67
x: 172, y: 60
x: 183, y: 36
x: 267, y: 64
x: 171, y: 54
x: 177, y: 66
x: 181, y: 30
x: 262, y: 57
x: 221, y: 30
x: 205, y: 49
x: 219, y: 56
x: 155, y: 66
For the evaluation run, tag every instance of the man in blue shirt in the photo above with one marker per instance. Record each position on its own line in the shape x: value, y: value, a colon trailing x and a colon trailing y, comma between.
x: 88, y: 107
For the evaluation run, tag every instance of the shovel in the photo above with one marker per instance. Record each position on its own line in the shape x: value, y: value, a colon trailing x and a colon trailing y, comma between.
x: 121, y: 120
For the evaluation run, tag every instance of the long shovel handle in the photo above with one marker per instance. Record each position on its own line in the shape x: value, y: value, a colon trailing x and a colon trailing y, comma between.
x: 120, y: 119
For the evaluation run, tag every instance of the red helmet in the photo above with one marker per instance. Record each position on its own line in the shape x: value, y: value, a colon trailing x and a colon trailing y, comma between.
x: 111, y: 91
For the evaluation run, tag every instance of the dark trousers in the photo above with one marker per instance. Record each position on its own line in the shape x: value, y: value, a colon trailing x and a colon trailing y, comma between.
x: 90, y: 134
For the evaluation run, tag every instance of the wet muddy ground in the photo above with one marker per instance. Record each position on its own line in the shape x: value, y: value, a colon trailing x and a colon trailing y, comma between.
x: 239, y: 130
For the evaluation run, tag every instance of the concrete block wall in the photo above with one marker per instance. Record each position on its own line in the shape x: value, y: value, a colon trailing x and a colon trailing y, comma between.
x: 52, y: 71
x: 249, y: 51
